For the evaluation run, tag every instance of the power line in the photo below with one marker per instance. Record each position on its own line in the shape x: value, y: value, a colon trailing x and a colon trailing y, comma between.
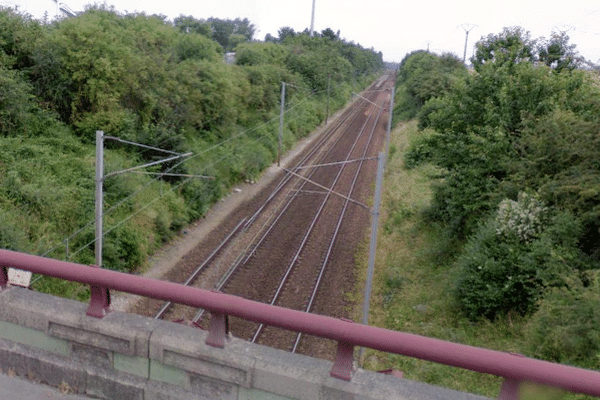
x: 65, y: 241
x: 140, y: 145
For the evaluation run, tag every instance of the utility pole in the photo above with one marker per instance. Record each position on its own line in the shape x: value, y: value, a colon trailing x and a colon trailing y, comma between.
x: 373, y: 244
x: 99, y: 197
x: 100, y: 177
x: 281, y: 112
x: 328, y: 95
x: 312, y: 20
x: 468, y: 28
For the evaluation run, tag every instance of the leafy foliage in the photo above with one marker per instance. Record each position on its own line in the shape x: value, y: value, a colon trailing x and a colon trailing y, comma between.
x: 422, y: 76
x: 526, y: 121
x: 523, y: 218
x: 227, y: 33
x: 512, y: 46
x: 558, y: 54
x: 15, y: 103
x: 18, y: 35
x: 565, y: 329
x: 150, y: 81
x: 510, y: 261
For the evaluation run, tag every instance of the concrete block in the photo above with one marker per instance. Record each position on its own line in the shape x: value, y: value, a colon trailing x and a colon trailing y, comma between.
x: 282, y: 373
x: 119, y: 332
x: 88, y: 355
x: 112, y: 385
x: 89, y: 337
x: 163, y: 391
x: 139, y: 366
x: 42, y: 366
x: 168, y: 374
x: 208, y: 366
x: 66, y: 319
x: 32, y: 337
x: 213, y: 388
x: 183, y: 347
x: 288, y: 379
x: 368, y: 385
x: 30, y: 309
x: 255, y: 394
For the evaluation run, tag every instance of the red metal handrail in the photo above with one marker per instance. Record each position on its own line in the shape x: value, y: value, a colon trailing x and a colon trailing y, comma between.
x: 514, y: 368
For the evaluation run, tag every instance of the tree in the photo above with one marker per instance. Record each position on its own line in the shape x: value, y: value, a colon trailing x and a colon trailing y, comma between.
x: 15, y: 103
x: 558, y: 54
x: 330, y: 34
x: 423, y: 76
x: 511, y: 46
x: 285, y: 32
x: 18, y: 36
x: 270, y: 38
x: 224, y: 29
x: 189, y: 24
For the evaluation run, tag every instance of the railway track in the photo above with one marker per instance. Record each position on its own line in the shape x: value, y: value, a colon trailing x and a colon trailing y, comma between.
x: 284, y: 251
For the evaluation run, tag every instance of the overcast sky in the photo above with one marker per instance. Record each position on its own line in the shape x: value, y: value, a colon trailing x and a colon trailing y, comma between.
x: 393, y: 27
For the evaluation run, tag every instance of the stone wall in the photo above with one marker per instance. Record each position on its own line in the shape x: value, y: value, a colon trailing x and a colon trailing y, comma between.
x: 127, y: 356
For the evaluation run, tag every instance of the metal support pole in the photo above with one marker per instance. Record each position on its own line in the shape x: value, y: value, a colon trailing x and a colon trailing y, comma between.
x: 509, y: 390
x: 328, y: 91
x: 470, y: 28
x: 465, y: 53
x: 312, y: 20
x: 99, y: 197
x: 389, y: 127
x: 281, y: 122
x: 373, y: 244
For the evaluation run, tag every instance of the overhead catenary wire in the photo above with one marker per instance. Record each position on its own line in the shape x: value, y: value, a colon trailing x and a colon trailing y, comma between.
x: 140, y: 145
x: 159, y: 175
x: 336, y: 163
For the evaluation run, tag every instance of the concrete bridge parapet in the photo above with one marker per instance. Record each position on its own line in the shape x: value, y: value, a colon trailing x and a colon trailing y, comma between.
x: 127, y: 356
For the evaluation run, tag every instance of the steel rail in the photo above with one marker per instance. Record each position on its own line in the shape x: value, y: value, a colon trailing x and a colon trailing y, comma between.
x: 279, y: 213
x: 316, y: 217
x: 353, y: 112
x: 337, y: 229
x: 163, y: 310
x: 244, y: 257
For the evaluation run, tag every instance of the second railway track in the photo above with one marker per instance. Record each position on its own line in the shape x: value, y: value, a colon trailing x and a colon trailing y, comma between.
x: 295, y: 246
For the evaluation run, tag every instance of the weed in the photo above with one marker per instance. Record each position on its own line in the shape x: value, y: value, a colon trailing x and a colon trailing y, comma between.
x: 65, y: 388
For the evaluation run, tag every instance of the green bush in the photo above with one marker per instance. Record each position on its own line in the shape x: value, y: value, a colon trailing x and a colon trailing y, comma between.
x: 523, y: 218
x: 12, y: 236
x: 122, y: 249
x: 565, y: 328
x: 509, y: 263
x: 423, y: 76
x: 19, y: 34
x: 150, y: 81
x: 15, y: 103
x: 496, y: 276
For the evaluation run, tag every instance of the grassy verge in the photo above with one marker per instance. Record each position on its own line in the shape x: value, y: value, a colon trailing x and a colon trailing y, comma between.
x: 413, y: 283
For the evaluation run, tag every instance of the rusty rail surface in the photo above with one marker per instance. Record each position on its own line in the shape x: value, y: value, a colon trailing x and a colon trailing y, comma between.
x: 514, y: 368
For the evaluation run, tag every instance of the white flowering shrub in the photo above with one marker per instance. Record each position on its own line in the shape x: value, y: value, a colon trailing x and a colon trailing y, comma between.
x: 510, y: 261
x: 523, y: 218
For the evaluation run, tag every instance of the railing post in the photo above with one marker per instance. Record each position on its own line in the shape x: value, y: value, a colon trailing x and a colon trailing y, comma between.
x: 343, y: 364
x: 3, y: 278
x: 218, y: 330
x: 99, y: 300
x: 509, y: 389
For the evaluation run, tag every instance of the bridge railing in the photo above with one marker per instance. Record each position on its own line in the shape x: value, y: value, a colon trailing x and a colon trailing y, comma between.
x: 513, y: 368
